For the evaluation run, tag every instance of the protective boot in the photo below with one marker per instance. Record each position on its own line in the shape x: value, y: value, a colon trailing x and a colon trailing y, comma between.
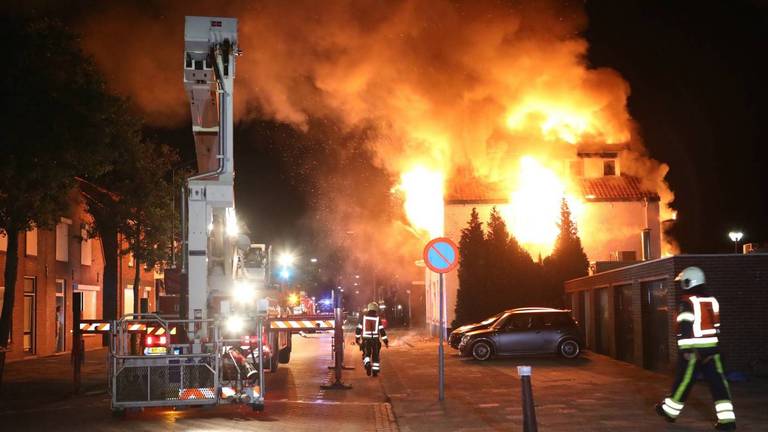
x: 660, y: 411
x: 368, y: 369
x: 725, y: 426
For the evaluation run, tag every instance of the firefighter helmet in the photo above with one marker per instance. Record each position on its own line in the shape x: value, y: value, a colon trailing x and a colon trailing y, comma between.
x: 372, y: 306
x: 690, y: 277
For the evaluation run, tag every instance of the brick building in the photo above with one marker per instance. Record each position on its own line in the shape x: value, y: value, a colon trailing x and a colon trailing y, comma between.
x: 629, y: 313
x: 52, y: 265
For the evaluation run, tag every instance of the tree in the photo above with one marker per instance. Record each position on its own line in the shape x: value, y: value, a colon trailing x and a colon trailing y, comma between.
x: 514, y: 277
x: 471, y: 272
x: 133, y: 199
x: 568, y: 260
x: 53, y: 130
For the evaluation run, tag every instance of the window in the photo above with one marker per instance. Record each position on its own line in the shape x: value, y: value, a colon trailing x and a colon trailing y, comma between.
x: 3, y: 242
x: 62, y: 241
x: 86, y: 248
x: 88, y: 306
x: 519, y: 322
x: 130, y: 260
x: 30, y: 321
x: 609, y: 167
x: 556, y: 320
x: 128, y: 300
x: 30, y: 248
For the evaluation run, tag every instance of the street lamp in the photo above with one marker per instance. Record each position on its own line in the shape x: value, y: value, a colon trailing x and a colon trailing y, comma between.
x: 286, y: 259
x: 736, y: 237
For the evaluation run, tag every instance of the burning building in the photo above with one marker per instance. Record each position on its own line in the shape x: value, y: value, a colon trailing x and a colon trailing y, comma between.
x: 620, y: 212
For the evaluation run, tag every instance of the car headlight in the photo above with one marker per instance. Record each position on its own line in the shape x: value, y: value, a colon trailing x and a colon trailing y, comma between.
x: 465, y: 339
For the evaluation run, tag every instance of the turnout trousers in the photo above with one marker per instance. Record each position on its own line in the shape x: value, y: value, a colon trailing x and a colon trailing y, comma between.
x: 708, y: 363
x: 371, y: 355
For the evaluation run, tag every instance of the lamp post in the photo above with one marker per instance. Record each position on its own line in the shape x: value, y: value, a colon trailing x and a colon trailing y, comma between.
x: 736, y: 237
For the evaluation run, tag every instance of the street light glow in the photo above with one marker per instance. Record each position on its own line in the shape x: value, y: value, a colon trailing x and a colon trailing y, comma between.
x: 231, y: 223
x: 286, y: 259
x: 736, y: 236
x: 285, y: 273
x: 244, y: 292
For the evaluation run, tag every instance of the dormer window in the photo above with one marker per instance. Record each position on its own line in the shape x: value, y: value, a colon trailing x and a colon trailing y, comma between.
x: 609, y: 167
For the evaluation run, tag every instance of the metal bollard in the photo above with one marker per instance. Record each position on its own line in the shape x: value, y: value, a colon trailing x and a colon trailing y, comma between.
x: 529, y: 412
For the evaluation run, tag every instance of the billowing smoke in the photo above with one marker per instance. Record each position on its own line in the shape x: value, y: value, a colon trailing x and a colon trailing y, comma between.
x: 450, y: 85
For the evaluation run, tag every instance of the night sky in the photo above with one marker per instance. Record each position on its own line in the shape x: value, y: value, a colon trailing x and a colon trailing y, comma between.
x: 696, y: 71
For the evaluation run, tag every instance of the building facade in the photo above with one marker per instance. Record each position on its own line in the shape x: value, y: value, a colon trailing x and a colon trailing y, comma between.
x: 629, y: 313
x: 53, y: 264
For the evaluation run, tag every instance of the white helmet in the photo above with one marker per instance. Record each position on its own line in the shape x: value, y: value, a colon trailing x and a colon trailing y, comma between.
x: 690, y: 277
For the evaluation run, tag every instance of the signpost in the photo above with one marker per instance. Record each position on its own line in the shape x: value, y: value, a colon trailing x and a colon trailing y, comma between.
x: 441, y: 255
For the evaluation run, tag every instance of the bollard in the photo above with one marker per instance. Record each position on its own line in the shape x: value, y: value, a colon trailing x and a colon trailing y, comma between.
x: 529, y: 412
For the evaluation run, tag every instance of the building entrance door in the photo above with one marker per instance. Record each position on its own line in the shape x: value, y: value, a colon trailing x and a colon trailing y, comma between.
x: 30, y: 289
x: 60, y: 317
x: 625, y: 325
x: 602, y: 321
x: 655, y: 325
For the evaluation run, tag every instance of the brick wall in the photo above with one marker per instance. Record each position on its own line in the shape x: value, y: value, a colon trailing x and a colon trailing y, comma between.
x: 740, y: 283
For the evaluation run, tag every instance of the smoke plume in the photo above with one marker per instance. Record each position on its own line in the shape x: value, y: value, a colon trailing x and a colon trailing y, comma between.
x: 452, y: 85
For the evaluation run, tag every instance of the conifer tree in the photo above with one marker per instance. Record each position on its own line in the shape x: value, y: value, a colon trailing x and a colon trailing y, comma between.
x: 471, y: 278
x: 568, y: 260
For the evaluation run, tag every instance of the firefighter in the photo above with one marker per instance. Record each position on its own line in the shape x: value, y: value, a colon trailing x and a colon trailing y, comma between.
x: 698, y: 322
x: 369, y: 334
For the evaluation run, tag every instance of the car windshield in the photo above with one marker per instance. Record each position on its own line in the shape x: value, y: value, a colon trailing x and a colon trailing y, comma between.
x: 500, y: 322
x: 491, y: 320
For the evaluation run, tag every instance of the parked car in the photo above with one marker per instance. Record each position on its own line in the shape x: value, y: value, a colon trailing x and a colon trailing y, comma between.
x: 454, y: 339
x: 525, y: 331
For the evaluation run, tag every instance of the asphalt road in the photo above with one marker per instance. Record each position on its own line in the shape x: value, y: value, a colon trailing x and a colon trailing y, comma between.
x: 295, y: 402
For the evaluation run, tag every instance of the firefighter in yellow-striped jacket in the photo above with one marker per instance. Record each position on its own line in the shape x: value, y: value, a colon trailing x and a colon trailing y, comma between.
x: 698, y: 323
x: 369, y: 334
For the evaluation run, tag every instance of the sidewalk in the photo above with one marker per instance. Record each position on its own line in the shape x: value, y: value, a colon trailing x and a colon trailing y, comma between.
x: 34, y: 382
x: 594, y: 393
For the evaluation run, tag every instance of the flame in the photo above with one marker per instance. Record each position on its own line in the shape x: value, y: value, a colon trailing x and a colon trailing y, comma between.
x: 423, y: 199
x: 533, y: 212
x: 567, y: 122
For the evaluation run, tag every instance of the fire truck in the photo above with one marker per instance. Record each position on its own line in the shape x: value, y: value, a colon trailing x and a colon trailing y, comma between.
x: 216, y: 349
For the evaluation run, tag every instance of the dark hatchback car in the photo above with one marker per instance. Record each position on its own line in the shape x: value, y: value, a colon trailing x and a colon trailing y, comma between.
x: 454, y: 339
x: 530, y: 331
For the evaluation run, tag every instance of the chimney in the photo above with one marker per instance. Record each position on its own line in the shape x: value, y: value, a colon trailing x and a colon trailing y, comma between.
x: 645, y: 239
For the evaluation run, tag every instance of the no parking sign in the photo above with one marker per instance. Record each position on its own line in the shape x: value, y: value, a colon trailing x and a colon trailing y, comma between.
x: 441, y: 255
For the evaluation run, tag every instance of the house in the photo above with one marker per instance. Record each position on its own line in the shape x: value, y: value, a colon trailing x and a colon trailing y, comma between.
x: 625, y: 209
x: 52, y: 265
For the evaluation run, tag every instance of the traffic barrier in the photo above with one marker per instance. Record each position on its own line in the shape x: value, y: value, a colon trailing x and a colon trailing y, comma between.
x: 94, y: 326
x: 303, y: 323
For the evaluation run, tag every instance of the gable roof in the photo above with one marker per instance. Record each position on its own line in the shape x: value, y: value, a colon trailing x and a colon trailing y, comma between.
x: 474, y: 191
x: 616, y: 188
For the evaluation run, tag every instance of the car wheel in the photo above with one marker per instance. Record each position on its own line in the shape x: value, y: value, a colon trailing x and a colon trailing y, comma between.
x: 569, y: 349
x: 482, y: 350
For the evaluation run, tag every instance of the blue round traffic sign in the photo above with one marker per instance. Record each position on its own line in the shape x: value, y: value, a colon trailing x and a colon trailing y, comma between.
x: 441, y: 255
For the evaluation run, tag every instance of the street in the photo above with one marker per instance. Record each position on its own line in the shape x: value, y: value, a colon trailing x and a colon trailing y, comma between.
x: 593, y: 393
x: 295, y: 400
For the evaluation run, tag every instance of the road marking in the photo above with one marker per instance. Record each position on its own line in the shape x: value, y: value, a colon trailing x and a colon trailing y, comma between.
x: 490, y: 405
